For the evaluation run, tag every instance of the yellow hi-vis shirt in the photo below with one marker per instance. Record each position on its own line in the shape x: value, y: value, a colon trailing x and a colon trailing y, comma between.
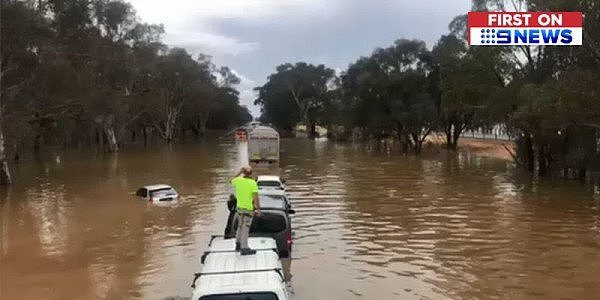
x: 244, y: 189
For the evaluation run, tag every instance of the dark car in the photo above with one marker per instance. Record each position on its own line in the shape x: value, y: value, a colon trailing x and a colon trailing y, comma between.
x: 274, y: 222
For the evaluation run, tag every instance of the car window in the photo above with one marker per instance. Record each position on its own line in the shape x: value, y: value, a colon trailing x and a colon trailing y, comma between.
x: 268, y: 184
x: 244, y: 296
x: 141, y: 193
x: 163, y: 192
x: 268, y: 223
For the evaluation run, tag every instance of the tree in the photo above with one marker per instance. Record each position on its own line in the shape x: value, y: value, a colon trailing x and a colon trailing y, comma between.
x: 86, y: 72
x: 467, y: 81
x: 24, y: 33
x: 296, y: 91
x: 389, y: 93
x: 548, y: 93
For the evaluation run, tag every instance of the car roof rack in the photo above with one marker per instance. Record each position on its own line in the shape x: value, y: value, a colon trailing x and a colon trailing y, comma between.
x: 276, y: 270
x: 206, y: 253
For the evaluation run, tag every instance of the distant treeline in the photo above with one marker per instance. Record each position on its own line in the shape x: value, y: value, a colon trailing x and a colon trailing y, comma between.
x: 548, y: 97
x: 88, y: 72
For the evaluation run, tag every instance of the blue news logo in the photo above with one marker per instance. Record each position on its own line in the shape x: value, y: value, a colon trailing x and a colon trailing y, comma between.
x: 526, y: 36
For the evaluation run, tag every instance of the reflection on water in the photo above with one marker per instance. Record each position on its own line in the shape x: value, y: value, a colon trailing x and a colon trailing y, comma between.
x: 367, y: 225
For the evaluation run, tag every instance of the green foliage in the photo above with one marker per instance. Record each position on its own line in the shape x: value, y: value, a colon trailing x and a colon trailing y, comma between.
x: 389, y: 93
x: 84, y: 72
x: 295, y: 93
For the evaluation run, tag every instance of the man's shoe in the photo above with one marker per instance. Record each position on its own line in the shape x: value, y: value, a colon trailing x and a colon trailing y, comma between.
x: 247, y: 251
x: 237, y: 246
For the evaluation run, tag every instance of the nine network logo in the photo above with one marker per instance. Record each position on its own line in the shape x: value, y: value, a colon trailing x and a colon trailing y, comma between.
x: 525, y: 28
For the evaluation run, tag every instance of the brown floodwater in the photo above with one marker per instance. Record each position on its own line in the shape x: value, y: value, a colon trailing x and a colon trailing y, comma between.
x: 368, y: 225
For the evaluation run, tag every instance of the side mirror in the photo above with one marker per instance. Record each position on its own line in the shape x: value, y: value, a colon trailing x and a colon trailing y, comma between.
x: 283, y: 180
x: 291, y: 211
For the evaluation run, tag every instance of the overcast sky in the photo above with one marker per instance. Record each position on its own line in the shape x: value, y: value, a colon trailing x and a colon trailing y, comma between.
x: 252, y: 37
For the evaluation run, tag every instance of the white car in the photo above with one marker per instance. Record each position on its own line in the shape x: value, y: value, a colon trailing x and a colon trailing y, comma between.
x: 158, y: 193
x: 228, y: 275
x: 270, y: 183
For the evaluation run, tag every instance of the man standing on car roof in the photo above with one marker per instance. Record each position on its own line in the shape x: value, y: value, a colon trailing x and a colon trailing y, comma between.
x: 246, y: 192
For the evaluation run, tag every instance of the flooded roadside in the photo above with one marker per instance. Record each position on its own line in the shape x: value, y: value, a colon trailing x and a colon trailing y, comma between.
x: 367, y: 225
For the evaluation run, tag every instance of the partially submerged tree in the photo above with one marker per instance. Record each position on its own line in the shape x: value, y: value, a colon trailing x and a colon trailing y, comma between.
x: 296, y: 91
x: 89, y: 73
x: 390, y: 95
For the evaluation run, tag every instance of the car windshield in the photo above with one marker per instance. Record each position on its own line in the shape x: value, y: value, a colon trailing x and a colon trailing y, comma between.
x: 244, y: 296
x: 268, y: 223
x: 162, y: 192
x: 269, y: 184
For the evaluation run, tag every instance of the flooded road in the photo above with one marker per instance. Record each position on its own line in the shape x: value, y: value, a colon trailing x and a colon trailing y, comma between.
x: 367, y: 225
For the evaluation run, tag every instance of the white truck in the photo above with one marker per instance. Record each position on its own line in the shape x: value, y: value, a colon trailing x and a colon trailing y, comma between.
x: 263, y: 145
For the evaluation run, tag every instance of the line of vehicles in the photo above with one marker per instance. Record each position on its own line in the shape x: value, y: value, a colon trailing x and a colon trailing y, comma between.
x: 228, y: 275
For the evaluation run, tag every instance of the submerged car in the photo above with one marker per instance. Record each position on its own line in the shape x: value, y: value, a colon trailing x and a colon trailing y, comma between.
x: 157, y: 193
x: 274, y: 222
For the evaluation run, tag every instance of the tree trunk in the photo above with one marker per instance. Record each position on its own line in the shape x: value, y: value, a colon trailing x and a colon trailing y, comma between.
x: 109, y: 132
x: 145, y: 131
x: 313, y: 130
x: 542, y: 163
x: 5, y: 178
x: 169, y: 130
x: 449, y: 140
x: 529, y: 155
x: 417, y: 143
x: 36, y: 142
x: 202, y: 123
x: 111, y: 139
x: 456, y: 135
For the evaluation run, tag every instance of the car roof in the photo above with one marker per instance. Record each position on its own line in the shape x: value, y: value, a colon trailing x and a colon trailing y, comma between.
x: 271, y: 192
x: 268, y: 202
x: 252, y: 282
x: 157, y: 187
x: 232, y: 261
x: 268, y: 178
x: 260, y: 272
x: 257, y: 243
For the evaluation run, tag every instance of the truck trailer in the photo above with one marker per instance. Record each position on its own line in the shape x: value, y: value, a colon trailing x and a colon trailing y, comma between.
x: 263, y: 145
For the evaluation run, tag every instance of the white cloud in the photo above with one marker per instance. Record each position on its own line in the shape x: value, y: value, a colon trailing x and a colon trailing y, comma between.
x: 254, y: 36
x: 209, y: 43
x: 247, y: 93
x: 180, y: 11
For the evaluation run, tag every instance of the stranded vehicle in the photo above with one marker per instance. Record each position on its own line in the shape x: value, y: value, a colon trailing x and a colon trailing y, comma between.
x: 270, y: 182
x: 263, y: 145
x: 228, y: 275
x: 275, y: 222
x: 158, y: 193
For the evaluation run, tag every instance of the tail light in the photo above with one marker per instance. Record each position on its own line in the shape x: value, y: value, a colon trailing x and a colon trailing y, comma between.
x: 289, y: 239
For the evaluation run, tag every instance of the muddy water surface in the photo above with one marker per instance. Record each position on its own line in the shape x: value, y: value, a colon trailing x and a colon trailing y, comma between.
x: 367, y: 225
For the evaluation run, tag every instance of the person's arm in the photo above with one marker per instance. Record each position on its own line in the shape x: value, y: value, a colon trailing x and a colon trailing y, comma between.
x: 256, y: 203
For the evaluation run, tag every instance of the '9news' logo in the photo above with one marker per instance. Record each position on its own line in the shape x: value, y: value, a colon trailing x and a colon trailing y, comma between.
x: 535, y: 28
